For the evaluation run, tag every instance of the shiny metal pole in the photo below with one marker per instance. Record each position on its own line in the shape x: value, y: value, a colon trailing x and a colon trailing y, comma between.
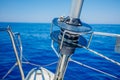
x: 76, y: 8
x: 16, y: 53
x: 66, y: 50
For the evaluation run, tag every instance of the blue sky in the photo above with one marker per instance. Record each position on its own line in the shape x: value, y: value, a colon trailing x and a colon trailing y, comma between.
x: 93, y: 11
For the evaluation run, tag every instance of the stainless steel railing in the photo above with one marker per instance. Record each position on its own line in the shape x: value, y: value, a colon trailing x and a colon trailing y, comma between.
x: 12, y: 37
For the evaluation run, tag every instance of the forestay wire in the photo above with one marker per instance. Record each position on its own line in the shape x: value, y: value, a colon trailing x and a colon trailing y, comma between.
x: 99, y: 54
x: 97, y: 70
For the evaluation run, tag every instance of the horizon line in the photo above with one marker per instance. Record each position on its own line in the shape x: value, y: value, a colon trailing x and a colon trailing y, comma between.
x: 51, y: 22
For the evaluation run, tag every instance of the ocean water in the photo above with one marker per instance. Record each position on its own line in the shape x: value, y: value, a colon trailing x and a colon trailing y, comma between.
x: 36, y: 49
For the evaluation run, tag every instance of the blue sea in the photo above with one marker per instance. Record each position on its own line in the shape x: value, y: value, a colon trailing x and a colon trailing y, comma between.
x: 36, y: 49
